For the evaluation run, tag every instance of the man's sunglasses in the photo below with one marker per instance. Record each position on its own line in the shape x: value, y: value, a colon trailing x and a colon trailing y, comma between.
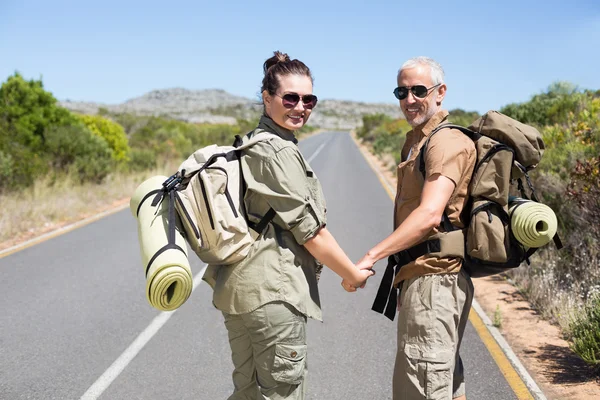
x: 290, y: 100
x: 419, y: 91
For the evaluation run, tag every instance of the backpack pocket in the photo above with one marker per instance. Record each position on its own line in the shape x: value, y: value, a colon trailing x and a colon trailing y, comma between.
x: 217, y: 229
x: 492, y: 173
x: 188, y: 209
x: 488, y: 233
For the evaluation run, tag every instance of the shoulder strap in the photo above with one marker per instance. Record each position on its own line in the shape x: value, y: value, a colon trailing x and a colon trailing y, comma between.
x: 236, y: 154
x: 472, y: 134
x: 448, y: 227
x: 259, y: 137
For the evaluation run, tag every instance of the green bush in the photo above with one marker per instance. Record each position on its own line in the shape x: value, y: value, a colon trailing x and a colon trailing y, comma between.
x: 27, y: 110
x: 111, y: 132
x: 462, y: 117
x: 76, y: 148
x: 21, y: 166
x: 142, y: 160
x: 370, y: 122
x: 585, y: 333
x: 548, y: 108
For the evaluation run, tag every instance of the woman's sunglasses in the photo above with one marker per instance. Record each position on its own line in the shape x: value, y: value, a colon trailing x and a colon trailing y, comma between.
x: 290, y: 100
x: 419, y: 91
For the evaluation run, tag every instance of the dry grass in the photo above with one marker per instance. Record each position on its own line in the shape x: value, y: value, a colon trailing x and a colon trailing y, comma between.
x: 56, y: 201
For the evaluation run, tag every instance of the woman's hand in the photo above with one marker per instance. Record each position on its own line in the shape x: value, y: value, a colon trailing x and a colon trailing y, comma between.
x: 358, y: 279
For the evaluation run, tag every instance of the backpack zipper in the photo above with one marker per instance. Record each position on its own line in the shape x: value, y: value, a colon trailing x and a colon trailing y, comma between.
x: 227, y: 194
x: 210, y: 217
x: 187, y: 216
x: 503, y: 215
x: 495, y: 149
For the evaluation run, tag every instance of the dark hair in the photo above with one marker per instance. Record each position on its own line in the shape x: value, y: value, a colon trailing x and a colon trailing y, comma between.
x: 281, y: 65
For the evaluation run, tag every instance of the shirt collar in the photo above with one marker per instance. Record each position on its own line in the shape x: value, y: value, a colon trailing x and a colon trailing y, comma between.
x: 427, y: 127
x: 267, y: 124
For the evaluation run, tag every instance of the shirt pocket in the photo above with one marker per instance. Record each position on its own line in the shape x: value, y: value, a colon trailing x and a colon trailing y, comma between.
x: 409, y: 184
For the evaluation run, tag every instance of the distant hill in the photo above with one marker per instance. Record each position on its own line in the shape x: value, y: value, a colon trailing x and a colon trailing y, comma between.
x: 219, y: 106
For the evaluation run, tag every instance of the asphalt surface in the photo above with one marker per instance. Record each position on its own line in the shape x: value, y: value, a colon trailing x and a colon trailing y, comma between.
x: 73, y: 305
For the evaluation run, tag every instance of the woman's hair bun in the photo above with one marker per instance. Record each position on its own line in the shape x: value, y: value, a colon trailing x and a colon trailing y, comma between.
x: 278, y: 57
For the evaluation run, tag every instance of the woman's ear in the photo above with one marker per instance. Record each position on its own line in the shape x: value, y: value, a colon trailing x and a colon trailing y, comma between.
x: 267, y: 100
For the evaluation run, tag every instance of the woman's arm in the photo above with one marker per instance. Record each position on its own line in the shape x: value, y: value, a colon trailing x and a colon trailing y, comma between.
x: 326, y: 249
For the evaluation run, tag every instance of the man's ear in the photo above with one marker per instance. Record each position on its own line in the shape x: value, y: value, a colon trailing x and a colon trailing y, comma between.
x: 441, y: 93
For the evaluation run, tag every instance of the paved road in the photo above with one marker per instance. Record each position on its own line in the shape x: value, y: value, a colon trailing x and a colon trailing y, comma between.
x: 71, y: 308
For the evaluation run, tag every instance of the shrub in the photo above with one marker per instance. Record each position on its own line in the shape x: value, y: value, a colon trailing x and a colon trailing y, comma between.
x: 370, y: 122
x: 77, y: 148
x: 27, y: 110
x: 111, y: 132
x: 585, y: 333
x: 142, y: 160
x: 462, y: 117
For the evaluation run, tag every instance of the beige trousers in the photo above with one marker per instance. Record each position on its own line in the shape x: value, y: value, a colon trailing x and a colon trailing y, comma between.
x: 431, y: 322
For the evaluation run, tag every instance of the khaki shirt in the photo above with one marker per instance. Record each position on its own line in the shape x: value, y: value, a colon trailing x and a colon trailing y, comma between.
x: 278, y: 267
x: 450, y: 153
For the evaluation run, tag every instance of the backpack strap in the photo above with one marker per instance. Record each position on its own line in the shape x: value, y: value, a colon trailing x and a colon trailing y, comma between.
x: 449, y: 243
x: 445, y: 223
x: 167, y: 190
x: 237, y: 154
x: 386, y: 300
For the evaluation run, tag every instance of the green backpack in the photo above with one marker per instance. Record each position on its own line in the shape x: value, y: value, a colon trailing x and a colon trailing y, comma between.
x: 506, y: 151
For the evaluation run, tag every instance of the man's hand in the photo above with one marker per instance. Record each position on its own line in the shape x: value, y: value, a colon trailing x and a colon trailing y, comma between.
x: 359, y: 280
x: 366, y: 263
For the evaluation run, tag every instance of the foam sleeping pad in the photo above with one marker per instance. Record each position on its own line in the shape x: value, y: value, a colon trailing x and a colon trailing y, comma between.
x: 533, y: 224
x: 169, y: 278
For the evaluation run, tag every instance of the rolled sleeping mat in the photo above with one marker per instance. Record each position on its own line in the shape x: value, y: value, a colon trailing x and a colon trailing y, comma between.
x: 169, y: 279
x: 533, y: 224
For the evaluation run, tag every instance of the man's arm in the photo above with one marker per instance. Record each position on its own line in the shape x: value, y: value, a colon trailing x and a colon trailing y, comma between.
x: 435, y: 196
x: 326, y: 249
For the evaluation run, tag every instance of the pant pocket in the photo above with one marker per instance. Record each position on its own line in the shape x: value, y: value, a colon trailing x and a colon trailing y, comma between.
x: 435, y: 366
x: 289, y: 363
x: 438, y: 378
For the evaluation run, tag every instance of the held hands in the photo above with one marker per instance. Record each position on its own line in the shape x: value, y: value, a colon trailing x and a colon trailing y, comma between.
x: 364, y: 270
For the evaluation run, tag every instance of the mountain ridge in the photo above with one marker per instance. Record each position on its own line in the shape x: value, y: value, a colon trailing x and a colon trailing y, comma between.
x: 220, y: 106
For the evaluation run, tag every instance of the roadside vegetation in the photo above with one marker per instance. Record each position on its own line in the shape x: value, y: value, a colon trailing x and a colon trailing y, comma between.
x: 563, y: 285
x: 56, y: 165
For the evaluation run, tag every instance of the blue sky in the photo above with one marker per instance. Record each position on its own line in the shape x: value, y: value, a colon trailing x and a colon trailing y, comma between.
x: 493, y: 52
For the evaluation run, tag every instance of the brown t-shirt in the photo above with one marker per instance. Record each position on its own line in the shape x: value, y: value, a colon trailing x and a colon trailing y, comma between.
x: 449, y: 153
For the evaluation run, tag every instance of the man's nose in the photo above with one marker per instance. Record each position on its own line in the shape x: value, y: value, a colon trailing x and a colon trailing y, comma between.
x: 410, y: 98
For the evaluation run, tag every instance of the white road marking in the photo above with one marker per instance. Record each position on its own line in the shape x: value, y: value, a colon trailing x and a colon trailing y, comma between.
x: 134, y: 348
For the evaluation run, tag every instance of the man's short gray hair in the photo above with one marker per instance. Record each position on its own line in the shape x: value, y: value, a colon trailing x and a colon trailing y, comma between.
x: 437, y: 72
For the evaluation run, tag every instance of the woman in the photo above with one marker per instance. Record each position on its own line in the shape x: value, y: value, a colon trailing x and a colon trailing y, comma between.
x: 267, y: 298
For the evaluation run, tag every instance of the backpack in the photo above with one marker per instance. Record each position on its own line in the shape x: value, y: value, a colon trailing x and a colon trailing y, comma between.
x: 506, y: 151
x: 208, y: 194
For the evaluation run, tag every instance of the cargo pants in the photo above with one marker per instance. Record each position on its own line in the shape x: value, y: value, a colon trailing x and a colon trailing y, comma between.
x: 268, y: 350
x: 431, y: 322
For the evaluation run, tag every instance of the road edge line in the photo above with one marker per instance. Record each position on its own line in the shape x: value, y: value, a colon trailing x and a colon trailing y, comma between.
x: 483, y: 325
x: 68, y: 228
x: 60, y: 231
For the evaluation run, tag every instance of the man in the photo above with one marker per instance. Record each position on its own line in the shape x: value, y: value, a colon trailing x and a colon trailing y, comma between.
x: 435, y: 293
